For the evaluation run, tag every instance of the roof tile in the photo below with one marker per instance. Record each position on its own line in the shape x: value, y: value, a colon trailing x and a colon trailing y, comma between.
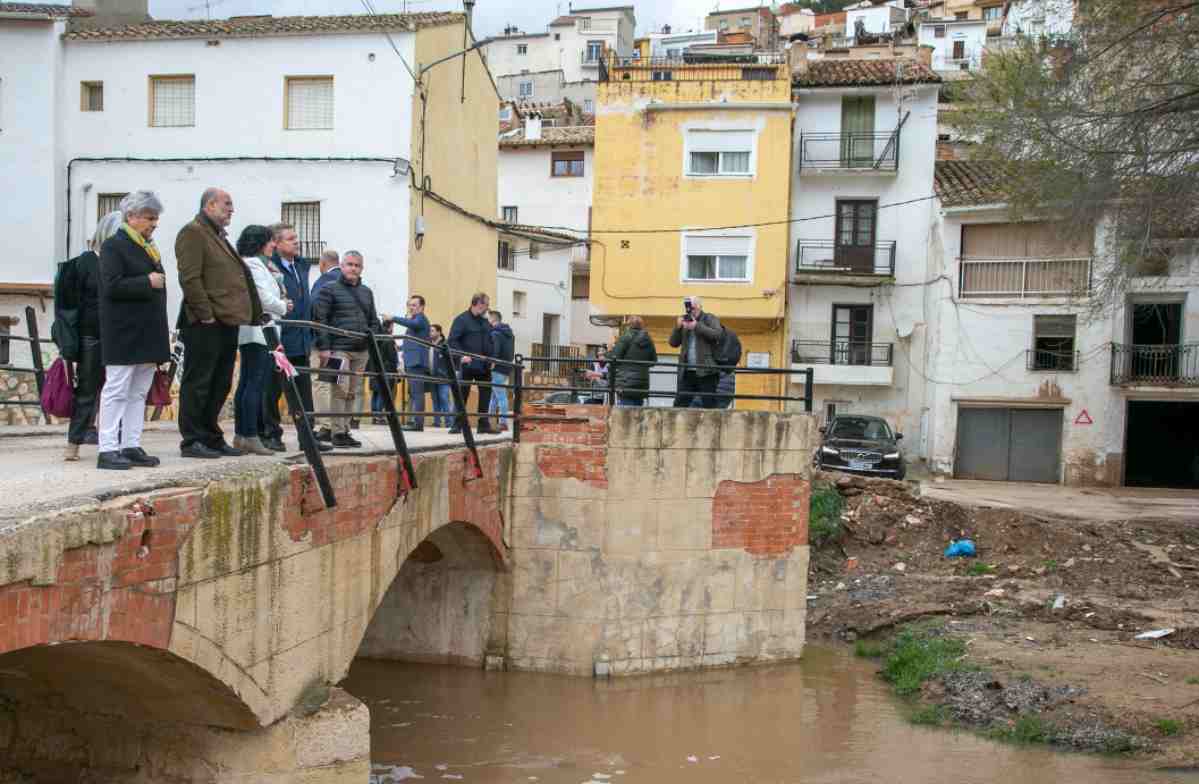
x: 863, y: 73
x: 967, y: 183
x: 267, y: 26
x: 572, y: 135
x: 44, y: 9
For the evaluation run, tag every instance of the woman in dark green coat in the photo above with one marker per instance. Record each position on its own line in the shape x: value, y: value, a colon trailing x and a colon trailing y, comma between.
x: 632, y: 378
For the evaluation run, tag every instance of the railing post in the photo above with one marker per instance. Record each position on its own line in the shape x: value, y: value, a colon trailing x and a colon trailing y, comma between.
x: 468, y: 436
x: 35, y: 352
x: 299, y: 417
x: 518, y: 394
x: 810, y: 374
x: 407, y: 478
x: 612, y: 383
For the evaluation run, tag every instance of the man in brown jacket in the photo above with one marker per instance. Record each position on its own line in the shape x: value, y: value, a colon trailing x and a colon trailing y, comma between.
x: 218, y: 296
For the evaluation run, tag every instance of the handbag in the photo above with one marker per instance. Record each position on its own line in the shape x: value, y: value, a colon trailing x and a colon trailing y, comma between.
x: 160, y: 390
x: 58, y: 393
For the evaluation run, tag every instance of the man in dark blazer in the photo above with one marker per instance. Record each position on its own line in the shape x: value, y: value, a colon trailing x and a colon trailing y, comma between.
x: 416, y: 355
x: 218, y: 296
x: 292, y: 271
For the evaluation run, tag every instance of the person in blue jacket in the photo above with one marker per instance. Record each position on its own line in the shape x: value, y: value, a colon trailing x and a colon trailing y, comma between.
x: 416, y: 356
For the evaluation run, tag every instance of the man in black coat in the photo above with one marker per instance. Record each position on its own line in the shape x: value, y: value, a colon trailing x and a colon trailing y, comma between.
x: 348, y: 304
x: 471, y: 333
x: 292, y: 271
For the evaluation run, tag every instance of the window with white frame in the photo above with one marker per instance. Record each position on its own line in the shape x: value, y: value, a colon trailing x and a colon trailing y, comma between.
x: 720, y: 153
x: 309, y: 104
x: 520, y: 304
x: 172, y: 101
x: 506, y: 257
x: 108, y: 202
x: 716, y: 256
x: 522, y: 48
x: 588, y: 106
x: 509, y: 214
x: 91, y: 96
x: 525, y: 89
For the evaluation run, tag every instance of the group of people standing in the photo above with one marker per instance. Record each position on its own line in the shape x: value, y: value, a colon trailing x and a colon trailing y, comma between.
x: 232, y: 294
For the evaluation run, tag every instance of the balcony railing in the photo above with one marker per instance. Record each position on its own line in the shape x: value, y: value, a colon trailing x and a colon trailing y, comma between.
x: 695, y: 68
x: 1169, y: 365
x: 866, y: 152
x: 828, y: 256
x: 840, y: 352
x: 1052, y: 361
x: 591, y: 59
x: 998, y: 277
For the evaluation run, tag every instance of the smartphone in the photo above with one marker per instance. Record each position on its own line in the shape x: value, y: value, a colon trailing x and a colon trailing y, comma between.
x: 687, y: 309
x: 331, y: 364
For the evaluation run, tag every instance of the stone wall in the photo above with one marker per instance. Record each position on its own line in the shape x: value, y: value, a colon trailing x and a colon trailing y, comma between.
x: 654, y: 539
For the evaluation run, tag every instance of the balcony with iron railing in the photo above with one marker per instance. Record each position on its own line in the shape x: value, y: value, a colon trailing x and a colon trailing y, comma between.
x: 852, y: 363
x: 1166, y: 365
x: 1024, y: 277
x: 696, y: 68
x: 826, y: 261
x: 849, y: 152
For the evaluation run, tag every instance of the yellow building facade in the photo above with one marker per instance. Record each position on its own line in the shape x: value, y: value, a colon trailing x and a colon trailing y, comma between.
x: 691, y: 198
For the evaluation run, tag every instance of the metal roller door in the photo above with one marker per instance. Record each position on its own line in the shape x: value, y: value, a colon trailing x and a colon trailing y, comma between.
x: 1009, y: 444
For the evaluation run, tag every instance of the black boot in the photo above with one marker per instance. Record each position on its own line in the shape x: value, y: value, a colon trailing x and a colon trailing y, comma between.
x: 113, y: 461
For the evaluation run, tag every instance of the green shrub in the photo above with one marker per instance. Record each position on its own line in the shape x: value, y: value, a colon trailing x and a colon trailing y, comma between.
x: 978, y: 569
x: 1193, y: 680
x: 1168, y: 727
x: 916, y: 656
x: 824, y: 520
x: 930, y: 715
x: 1030, y: 729
x: 868, y: 650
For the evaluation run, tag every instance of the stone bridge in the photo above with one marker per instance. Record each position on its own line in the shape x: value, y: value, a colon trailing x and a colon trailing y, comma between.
x: 199, y: 633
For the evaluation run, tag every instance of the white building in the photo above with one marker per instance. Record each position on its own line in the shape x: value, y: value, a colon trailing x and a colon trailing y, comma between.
x: 794, y: 20
x: 675, y: 45
x: 862, y: 144
x: 878, y: 17
x: 545, y: 180
x: 1031, y: 379
x: 571, y: 48
x: 1038, y: 17
x: 284, y: 113
x: 958, y: 44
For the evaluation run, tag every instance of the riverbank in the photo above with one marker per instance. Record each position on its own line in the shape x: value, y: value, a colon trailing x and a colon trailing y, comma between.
x: 1035, y: 639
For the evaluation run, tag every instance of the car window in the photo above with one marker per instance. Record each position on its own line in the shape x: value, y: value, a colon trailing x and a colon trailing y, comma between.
x: 860, y: 428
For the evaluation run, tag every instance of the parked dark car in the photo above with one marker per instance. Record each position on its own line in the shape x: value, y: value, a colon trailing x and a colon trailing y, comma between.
x: 861, y: 445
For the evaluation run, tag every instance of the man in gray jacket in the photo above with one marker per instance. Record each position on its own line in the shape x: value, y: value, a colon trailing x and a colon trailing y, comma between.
x: 697, y: 334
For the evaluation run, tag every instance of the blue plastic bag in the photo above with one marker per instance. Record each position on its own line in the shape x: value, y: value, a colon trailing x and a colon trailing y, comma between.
x: 962, y: 548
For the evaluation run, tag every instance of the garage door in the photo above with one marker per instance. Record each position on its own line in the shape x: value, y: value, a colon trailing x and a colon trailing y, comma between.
x: 1162, y: 444
x: 1009, y: 444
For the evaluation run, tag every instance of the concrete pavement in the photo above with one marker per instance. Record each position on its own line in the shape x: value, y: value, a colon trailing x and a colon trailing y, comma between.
x: 34, y: 479
x: 1084, y: 503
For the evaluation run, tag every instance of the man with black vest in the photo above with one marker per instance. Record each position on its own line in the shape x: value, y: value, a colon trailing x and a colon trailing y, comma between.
x: 471, y: 332
x: 346, y: 304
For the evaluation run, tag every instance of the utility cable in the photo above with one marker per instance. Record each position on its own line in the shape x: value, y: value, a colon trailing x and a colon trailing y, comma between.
x: 370, y: 9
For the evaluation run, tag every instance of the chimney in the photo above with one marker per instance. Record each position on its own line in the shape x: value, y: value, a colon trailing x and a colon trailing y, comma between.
x: 110, y: 13
x: 797, y: 56
x: 666, y: 29
x: 533, y: 127
x: 924, y: 54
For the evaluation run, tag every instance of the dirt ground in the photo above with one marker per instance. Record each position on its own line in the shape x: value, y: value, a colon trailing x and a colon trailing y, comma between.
x: 1049, y: 608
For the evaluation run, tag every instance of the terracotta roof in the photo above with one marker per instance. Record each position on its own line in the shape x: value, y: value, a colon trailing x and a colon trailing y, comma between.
x: 562, y: 20
x: 570, y: 135
x: 267, y: 26
x: 863, y: 73
x: 549, y: 234
x: 966, y: 183
x: 44, y: 9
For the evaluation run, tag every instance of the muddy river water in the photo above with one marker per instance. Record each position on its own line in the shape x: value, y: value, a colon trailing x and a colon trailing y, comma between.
x: 827, y: 719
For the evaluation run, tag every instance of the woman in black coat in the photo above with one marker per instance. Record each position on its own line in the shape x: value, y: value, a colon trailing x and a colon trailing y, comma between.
x: 83, y: 294
x: 134, y: 337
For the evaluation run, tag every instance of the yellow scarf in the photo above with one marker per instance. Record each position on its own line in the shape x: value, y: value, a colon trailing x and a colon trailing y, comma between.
x: 147, y: 245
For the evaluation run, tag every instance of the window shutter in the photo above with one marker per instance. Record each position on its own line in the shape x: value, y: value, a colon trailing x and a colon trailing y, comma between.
x: 717, y: 245
x: 720, y: 141
x: 310, y: 103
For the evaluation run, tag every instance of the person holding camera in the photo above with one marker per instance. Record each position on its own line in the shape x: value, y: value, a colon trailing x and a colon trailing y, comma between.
x: 697, y: 334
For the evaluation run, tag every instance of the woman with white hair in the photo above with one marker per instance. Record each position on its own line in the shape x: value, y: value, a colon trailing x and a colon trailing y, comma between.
x: 84, y: 291
x: 134, y: 337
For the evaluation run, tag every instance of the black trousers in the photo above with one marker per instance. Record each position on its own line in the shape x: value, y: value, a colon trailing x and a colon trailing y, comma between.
x: 482, y: 384
x: 416, y: 389
x: 690, y: 383
x: 209, y: 353
x: 271, y: 423
x: 88, y: 374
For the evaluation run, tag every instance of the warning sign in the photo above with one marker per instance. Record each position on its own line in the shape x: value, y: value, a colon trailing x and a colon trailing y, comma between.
x: 1084, y: 418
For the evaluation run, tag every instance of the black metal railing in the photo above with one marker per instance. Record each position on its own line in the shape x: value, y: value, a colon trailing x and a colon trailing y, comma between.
x: 830, y: 256
x: 36, y: 369
x: 312, y: 249
x: 1052, y: 361
x: 695, y: 68
x: 1169, y: 365
x: 830, y: 151
x: 841, y: 352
